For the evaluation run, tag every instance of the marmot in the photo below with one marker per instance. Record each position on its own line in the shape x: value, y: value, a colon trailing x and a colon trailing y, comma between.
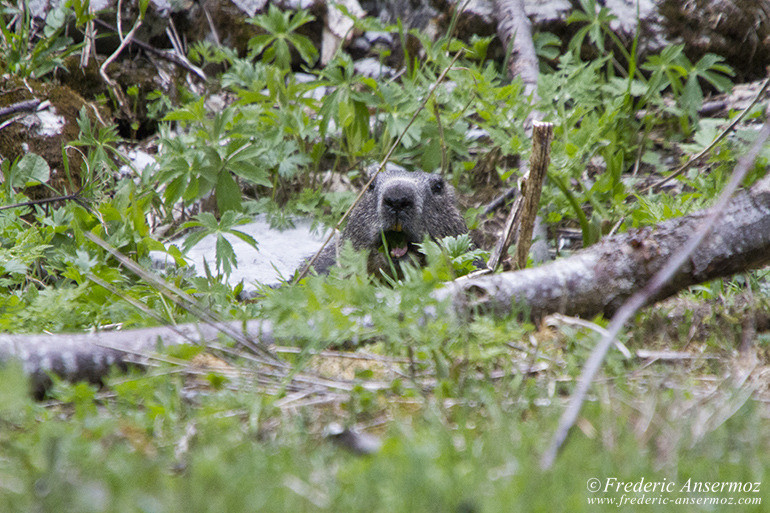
x: 403, y: 207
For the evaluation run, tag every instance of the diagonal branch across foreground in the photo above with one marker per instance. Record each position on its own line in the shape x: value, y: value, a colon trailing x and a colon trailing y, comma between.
x: 653, y: 287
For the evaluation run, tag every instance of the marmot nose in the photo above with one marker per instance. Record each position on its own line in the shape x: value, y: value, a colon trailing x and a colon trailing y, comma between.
x: 398, y: 199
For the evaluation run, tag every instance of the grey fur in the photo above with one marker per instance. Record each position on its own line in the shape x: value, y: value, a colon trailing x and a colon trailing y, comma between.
x: 406, y: 207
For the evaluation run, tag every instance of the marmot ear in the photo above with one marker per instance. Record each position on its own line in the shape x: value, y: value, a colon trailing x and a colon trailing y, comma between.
x: 370, y: 170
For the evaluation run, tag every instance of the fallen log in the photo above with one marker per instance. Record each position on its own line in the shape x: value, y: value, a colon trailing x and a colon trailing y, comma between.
x: 593, y: 281
x: 92, y: 356
x: 598, y: 279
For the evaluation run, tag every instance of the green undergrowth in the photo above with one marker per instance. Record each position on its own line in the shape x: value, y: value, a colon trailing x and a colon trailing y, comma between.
x: 145, y: 449
x: 462, y: 420
x: 463, y: 407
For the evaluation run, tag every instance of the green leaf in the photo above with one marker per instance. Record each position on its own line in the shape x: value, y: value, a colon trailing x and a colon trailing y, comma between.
x: 245, y: 237
x: 692, y: 97
x: 225, y: 255
x: 30, y: 170
x: 192, y: 239
x: 191, y: 112
x: 258, y: 43
x: 306, y: 48
x: 281, y: 32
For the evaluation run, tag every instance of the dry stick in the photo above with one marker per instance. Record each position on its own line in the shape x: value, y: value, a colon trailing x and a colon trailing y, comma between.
x: 69, y: 197
x: 499, y: 201
x: 154, y: 356
x: 681, y: 169
x: 169, y: 56
x: 89, y: 39
x: 521, y: 218
x: 514, y: 29
x: 23, y: 106
x: 176, y: 42
x: 212, y: 27
x: 103, y: 69
x: 385, y: 160
x: 641, y: 297
x: 532, y: 186
x: 511, y: 223
x: 139, y: 306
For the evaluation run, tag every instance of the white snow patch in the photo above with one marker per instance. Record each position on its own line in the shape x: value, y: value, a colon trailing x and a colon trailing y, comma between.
x: 279, y: 252
x: 45, y: 122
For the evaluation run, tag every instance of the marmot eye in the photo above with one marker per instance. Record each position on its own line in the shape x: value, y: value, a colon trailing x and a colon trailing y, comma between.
x: 437, y: 187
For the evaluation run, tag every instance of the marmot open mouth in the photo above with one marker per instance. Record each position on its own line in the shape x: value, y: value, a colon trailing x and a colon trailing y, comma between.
x: 398, y: 245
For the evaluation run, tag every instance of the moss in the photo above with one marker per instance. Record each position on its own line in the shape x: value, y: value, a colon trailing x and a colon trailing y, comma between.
x: 16, y: 139
x: 231, y: 25
x: 86, y: 81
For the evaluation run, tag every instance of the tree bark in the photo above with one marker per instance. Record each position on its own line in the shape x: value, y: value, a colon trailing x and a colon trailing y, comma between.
x: 91, y: 356
x: 515, y: 31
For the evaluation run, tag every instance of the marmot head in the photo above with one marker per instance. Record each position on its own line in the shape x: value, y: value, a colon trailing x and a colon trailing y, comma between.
x: 403, y: 208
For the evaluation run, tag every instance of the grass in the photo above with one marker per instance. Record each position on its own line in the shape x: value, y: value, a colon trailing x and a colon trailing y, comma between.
x: 463, y: 409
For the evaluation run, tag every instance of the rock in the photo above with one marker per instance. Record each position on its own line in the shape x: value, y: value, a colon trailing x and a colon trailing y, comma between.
x: 371, y: 67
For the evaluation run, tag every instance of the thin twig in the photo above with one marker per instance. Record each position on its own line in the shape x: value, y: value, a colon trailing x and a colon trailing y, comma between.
x: 212, y: 27
x: 344, y: 354
x: 176, y: 42
x: 69, y: 197
x: 124, y: 41
x: 521, y: 218
x: 681, y: 169
x: 169, y: 56
x: 23, y: 106
x: 671, y: 356
x: 89, y: 38
x: 499, y: 201
x: 577, y: 321
x: 506, y: 237
x: 183, y: 299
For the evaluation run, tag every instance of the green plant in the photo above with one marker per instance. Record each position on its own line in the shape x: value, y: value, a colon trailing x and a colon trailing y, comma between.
x: 596, y: 27
x: 226, y: 258
x: 281, y: 28
x: 459, y: 252
x: 24, y: 52
x: 202, y: 160
x: 591, y: 123
x: 346, y: 105
x: 99, y: 146
x: 672, y: 69
x: 26, y: 171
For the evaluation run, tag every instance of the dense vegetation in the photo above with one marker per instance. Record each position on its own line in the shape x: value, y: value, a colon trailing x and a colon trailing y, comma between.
x: 463, y: 409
